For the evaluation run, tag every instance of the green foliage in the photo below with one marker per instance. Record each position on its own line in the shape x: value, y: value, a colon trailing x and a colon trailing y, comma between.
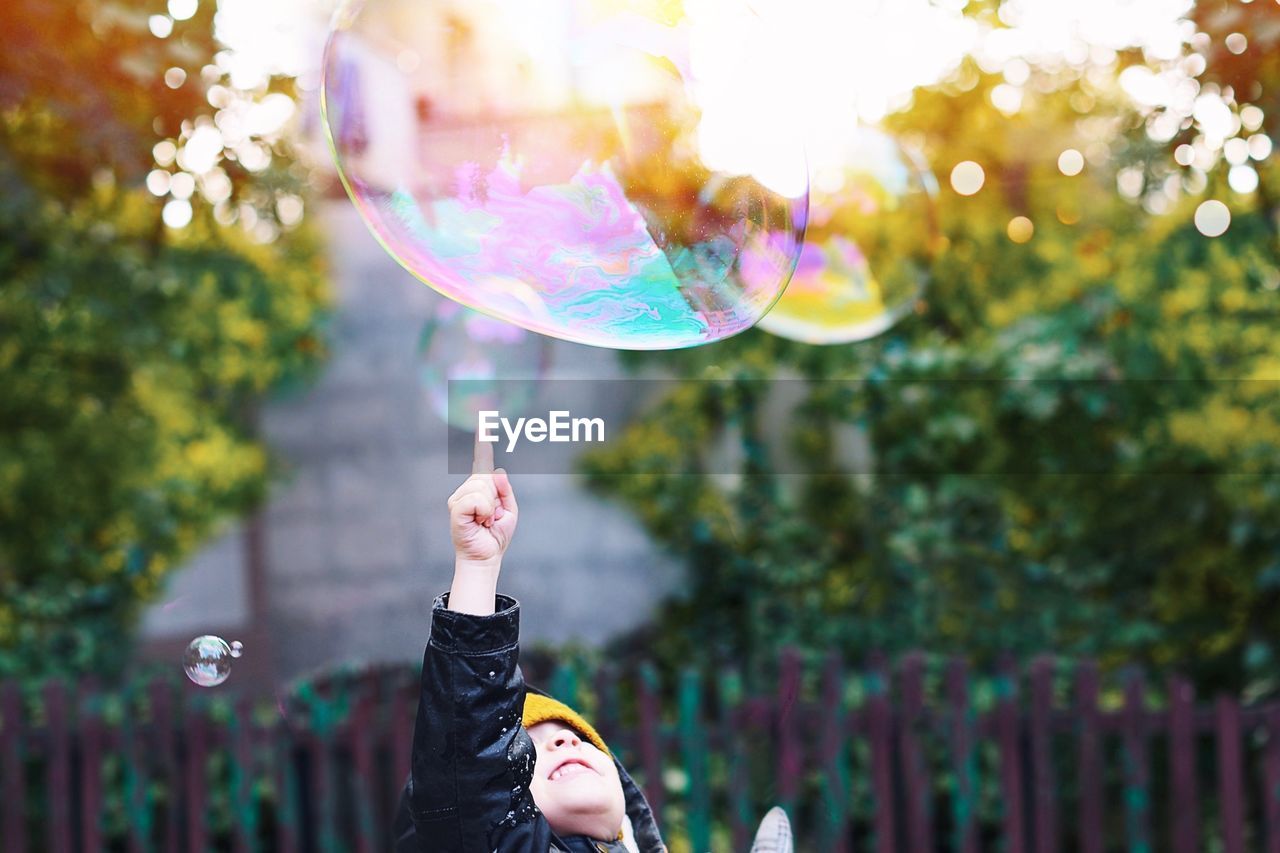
x: 132, y: 355
x: 1100, y: 489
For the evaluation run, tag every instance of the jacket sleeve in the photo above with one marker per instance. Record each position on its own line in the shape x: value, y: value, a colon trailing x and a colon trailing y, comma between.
x: 472, y: 761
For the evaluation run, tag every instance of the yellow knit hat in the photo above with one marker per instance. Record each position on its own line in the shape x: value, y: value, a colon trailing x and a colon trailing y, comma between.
x: 542, y: 709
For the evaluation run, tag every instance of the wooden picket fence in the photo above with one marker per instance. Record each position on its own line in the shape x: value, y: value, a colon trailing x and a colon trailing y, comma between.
x: 923, y: 756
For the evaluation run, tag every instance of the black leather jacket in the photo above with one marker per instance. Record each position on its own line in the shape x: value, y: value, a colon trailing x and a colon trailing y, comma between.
x: 468, y: 788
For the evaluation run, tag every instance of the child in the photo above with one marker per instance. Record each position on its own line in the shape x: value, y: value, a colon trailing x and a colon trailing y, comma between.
x: 496, y: 767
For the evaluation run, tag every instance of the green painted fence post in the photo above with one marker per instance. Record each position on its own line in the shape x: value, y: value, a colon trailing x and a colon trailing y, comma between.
x: 741, y: 816
x: 137, y: 800
x: 693, y: 745
x: 564, y: 684
x: 240, y: 730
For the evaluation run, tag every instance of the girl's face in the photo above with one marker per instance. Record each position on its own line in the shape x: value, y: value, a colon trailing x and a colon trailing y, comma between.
x: 575, y: 785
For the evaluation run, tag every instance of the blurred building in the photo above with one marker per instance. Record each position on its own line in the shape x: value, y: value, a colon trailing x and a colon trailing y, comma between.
x: 344, y: 561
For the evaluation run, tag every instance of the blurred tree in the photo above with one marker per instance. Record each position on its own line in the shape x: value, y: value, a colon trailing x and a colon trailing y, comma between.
x: 157, y: 282
x: 1102, y: 491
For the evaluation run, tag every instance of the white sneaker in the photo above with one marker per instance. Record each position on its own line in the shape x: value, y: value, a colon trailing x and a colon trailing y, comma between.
x: 774, y: 834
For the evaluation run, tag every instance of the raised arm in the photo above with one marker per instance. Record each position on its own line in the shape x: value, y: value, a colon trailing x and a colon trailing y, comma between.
x: 472, y: 762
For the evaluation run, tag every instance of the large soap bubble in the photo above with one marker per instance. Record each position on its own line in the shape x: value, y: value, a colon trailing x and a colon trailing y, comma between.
x: 872, y: 233
x: 629, y: 168
x: 469, y: 362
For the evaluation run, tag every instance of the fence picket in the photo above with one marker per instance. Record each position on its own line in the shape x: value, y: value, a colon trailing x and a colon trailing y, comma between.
x: 693, y: 744
x: 915, y: 769
x: 13, y: 783
x: 244, y: 832
x: 1271, y: 782
x: 834, y: 751
x: 325, y: 717
x: 790, y: 758
x: 364, y: 783
x: 1010, y: 745
x: 59, y: 757
x: 402, y: 720
x: 734, y: 727
x: 880, y: 729
x: 1137, y: 765
x: 564, y: 684
x: 196, y: 724
x: 288, y: 810
x: 1089, y: 759
x: 135, y: 776
x: 649, y: 735
x: 1230, y: 773
x: 164, y: 745
x: 607, y: 705
x: 91, y: 743
x: 1044, y: 791
x: 1184, y: 803
x: 964, y: 760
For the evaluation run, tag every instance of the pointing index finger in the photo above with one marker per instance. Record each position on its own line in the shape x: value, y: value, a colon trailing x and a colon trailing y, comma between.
x: 482, y: 461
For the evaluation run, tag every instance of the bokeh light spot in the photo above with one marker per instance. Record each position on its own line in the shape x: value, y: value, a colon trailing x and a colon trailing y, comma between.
x: 1212, y: 218
x: 1260, y: 146
x: 1070, y: 162
x: 215, y: 186
x: 182, y: 185
x: 1243, y: 179
x: 175, y: 77
x: 1251, y: 117
x: 967, y: 177
x: 177, y: 213
x: 203, y: 150
x: 1021, y: 229
x: 158, y: 182
x: 181, y: 10
x: 289, y: 209
x: 1130, y: 181
x: 160, y: 25
x: 1006, y: 98
x: 1236, y: 150
x: 1237, y: 43
x: 164, y: 153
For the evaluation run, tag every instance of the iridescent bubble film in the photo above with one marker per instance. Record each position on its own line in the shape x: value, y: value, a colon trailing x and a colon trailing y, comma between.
x: 237, y: 648
x: 207, y: 660
x: 872, y: 234
x: 611, y: 172
x: 499, y: 362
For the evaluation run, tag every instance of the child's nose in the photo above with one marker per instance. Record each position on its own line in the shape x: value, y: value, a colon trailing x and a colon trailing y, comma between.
x: 565, y: 738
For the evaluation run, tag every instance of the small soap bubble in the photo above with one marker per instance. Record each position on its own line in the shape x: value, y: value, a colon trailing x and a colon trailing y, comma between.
x: 469, y: 362
x: 237, y: 648
x: 207, y: 660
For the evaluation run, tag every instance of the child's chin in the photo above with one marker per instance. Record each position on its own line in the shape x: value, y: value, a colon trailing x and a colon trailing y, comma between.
x: 585, y: 797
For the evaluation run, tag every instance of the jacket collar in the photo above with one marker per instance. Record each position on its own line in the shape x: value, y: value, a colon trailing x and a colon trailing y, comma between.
x: 582, y: 844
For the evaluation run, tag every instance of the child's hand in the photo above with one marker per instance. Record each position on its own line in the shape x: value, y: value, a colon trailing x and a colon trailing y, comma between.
x: 483, y: 513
